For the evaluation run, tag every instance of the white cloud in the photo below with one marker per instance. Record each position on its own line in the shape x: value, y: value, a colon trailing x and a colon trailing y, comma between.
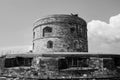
x: 104, y: 37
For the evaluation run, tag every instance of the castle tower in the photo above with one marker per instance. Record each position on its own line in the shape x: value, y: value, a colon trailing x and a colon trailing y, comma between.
x: 60, y: 33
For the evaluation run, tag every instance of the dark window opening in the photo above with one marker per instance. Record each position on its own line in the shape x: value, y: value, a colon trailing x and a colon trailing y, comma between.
x: 33, y: 46
x: 74, y: 62
x: 72, y: 29
x: 17, y: 61
x: 49, y: 44
x: 33, y: 35
x: 47, y: 30
x: 71, y: 24
x: 10, y: 62
x: 77, y: 62
x: 62, y: 64
x: 69, y: 62
x: 83, y: 62
x: 117, y: 61
x: 108, y: 63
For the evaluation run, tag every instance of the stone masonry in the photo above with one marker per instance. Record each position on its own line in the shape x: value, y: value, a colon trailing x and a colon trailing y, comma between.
x: 60, y: 33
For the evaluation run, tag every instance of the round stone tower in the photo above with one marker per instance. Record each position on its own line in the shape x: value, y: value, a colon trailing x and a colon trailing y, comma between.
x: 60, y: 33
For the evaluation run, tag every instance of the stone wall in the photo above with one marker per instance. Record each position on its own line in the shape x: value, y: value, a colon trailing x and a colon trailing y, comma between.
x: 68, y: 34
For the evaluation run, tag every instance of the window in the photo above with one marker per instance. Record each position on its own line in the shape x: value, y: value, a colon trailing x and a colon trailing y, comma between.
x: 76, y: 62
x: 108, y: 63
x: 62, y: 64
x: 33, y: 46
x: 33, y: 35
x: 18, y: 61
x: 72, y: 29
x: 49, y: 44
x: 47, y: 30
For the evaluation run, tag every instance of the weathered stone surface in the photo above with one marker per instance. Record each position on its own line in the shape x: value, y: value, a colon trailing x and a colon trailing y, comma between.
x: 65, y: 56
x: 69, y: 34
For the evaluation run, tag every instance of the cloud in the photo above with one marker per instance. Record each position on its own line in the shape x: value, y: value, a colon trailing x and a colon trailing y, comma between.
x: 104, y: 37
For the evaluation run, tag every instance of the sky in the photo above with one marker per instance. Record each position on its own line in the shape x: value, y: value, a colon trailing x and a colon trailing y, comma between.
x: 103, y: 18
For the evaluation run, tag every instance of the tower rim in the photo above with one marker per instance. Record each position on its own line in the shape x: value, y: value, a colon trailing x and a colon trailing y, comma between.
x: 66, y: 18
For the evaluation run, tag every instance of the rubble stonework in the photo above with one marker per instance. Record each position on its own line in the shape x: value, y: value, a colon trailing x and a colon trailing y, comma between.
x: 67, y: 32
x: 60, y: 52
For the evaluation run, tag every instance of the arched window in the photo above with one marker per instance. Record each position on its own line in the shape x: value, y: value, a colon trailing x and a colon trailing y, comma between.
x: 72, y: 30
x: 47, y: 30
x: 33, y: 35
x: 49, y: 44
